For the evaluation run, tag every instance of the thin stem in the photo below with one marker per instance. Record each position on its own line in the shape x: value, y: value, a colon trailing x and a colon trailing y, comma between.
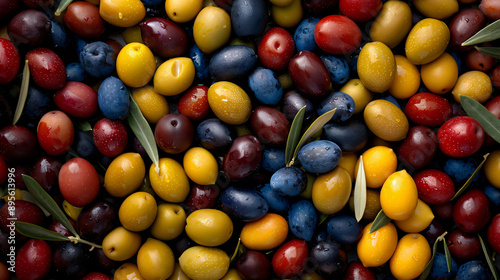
x: 78, y: 239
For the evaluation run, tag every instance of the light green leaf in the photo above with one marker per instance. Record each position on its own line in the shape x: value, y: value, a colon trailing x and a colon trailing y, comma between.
x: 62, y: 6
x: 476, y: 110
x: 428, y: 267
x: 471, y: 178
x: 447, y: 254
x: 316, y: 126
x: 294, y: 135
x: 360, y: 191
x: 83, y: 126
x: 38, y: 232
x: 380, y: 220
x: 46, y: 201
x: 487, y: 34
x: 491, y: 51
x: 23, y: 94
x: 143, y: 132
x: 240, y: 249
x: 487, y: 255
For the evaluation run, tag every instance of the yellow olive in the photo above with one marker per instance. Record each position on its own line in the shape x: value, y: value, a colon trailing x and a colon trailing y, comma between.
x: 376, y: 66
x: 266, y: 233
x: 376, y: 248
x: 121, y: 244
x: 288, y: 16
x: 281, y: 3
x: 399, y: 196
x: 209, y: 227
x: 492, y: 168
x: 178, y: 274
x: 392, y: 24
x: 122, y: 13
x: 412, y: 254
x: 200, y: 166
x: 348, y: 162
x: 427, y: 40
x: 155, y: 260
x: 232, y: 274
x: 135, y: 58
x: 152, y: 104
x: 132, y: 34
x: 169, y: 222
x: 331, y: 191
x: 172, y: 184
x: 386, y: 120
x: 359, y: 93
x: 379, y: 162
x: 436, y: 9
x: 174, y: 76
x: 420, y: 220
x: 474, y: 84
x: 204, y: 263
x: 407, y: 80
x: 124, y: 175
x: 127, y: 271
x: 440, y: 75
x: 72, y: 211
x: 211, y: 28
x: 229, y: 102
x: 183, y: 10
x: 138, y: 211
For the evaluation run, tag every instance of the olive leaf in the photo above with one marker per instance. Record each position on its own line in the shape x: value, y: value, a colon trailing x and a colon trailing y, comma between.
x: 487, y: 34
x: 143, y: 132
x: 83, y: 126
x: 471, y: 178
x: 487, y: 255
x: 428, y: 267
x: 46, y: 201
x: 360, y: 191
x: 489, y: 122
x: 322, y: 218
x: 294, y: 135
x: 380, y: 220
x: 491, y: 51
x: 38, y: 232
x: 240, y: 249
x: 62, y: 6
x: 447, y: 254
x: 23, y: 94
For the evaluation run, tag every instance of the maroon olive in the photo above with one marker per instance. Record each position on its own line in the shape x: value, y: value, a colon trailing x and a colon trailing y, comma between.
x: 33, y: 260
x: 201, y: 197
x: 356, y: 271
x: 309, y: 74
x: 479, y: 61
x: 465, y: 24
x: 174, y: 133
x: 29, y: 27
x: 7, y: 8
x: 96, y: 220
x: 17, y: 143
x: 56, y: 226
x: 428, y: 109
x: 444, y: 211
x: 270, y: 125
x: 463, y: 245
x: 319, y: 7
x: 46, y: 171
x: 77, y: 99
x: 243, y: 157
x: 24, y: 211
x: 33, y: 4
x: 495, y: 76
x: 472, y: 211
x: 19, y: 171
x: 434, y: 230
x: 419, y: 147
x: 164, y: 37
x: 254, y: 265
x: 83, y: 19
x: 103, y: 262
x: 293, y: 101
x: 110, y: 137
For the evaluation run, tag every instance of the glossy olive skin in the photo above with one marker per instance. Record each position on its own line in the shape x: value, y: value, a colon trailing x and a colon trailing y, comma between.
x: 29, y: 27
x: 201, y: 197
x: 25, y: 212
x: 70, y: 260
x: 270, y: 125
x: 164, y: 37
x: 96, y: 220
x: 47, y: 68
x: 174, y: 133
x: 83, y: 19
x: 462, y: 245
x: 243, y: 157
x: 243, y: 204
x: 12, y: 138
x: 428, y: 109
x: 472, y: 211
x: 33, y: 260
x: 419, y: 147
x: 293, y: 101
x: 45, y: 171
x: 310, y: 75
x: 465, y: 24
x: 254, y: 265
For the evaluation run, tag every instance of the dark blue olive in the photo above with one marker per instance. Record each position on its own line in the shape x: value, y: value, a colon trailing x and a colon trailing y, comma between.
x: 244, y: 204
x: 214, y: 134
x: 273, y: 159
x: 341, y: 101
x: 440, y: 267
x: 338, y: 69
x: 113, y: 98
x: 232, y: 63
x: 293, y: 101
x: 460, y: 169
x: 265, y: 86
x: 200, y: 62
x: 458, y: 60
x: 304, y: 35
x: 328, y: 258
x: 319, y: 156
x: 275, y: 201
x: 351, y: 135
x: 37, y: 103
x: 59, y: 35
x: 493, y: 194
x: 153, y: 2
x: 97, y: 59
x: 345, y: 229
x: 249, y: 18
x: 302, y: 218
x: 289, y: 181
x: 75, y: 72
x: 84, y: 144
x: 80, y: 44
x: 475, y: 269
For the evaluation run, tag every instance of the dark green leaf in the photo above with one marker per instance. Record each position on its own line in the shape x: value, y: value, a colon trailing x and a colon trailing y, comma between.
x: 142, y: 131
x: 62, y: 6
x: 380, y: 220
x: 360, y: 191
x: 491, y: 51
x: 322, y: 218
x: 316, y: 126
x: 38, y: 232
x: 428, y: 267
x: 83, y: 126
x: 489, y: 122
x: 487, y: 255
x: 472, y: 177
x: 294, y: 134
x: 23, y: 93
x: 46, y: 201
x: 447, y: 254
x: 487, y: 34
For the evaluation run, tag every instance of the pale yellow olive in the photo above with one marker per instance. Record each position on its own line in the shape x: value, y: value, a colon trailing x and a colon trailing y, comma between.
x: 436, y: 9
x: 204, y: 263
x: 359, y: 93
x: 209, y: 227
x: 474, y: 84
x: 376, y: 66
x: 138, y: 211
x: 232, y: 274
x: 427, y: 40
x: 121, y: 244
x: 392, y: 24
x: 169, y: 222
x: 178, y: 274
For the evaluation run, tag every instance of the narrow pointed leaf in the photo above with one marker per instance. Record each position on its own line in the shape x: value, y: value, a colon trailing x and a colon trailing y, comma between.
x: 38, y: 232
x: 143, y: 132
x: 322, y: 218
x: 62, y: 6
x: 23, y: 94
x: 489, y: 122
x: 360, y: 191
x: 294, y: 135
x: 489, y: 33
x: 447, y: 254
x: 487, y: 255
x: 316, y: 126
x: 380, y: 220
x: 428, y: 267
x: 83, y: 126
x: 236, y: 250
x: 491, y: 51
x: 46, y: 201
x: 471, y: 178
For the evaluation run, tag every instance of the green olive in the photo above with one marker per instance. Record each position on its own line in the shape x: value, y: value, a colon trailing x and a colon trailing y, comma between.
x: 474, y: 84
x: 211, y: 28
x: 209, y: 227
x: 392, y: 24
x: 386, y: 120
x: 376, y: 66
x: 427, y: 41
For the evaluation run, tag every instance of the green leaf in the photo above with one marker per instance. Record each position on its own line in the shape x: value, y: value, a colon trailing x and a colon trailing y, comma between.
x: 294, y: 134
x: 380, y: 220
x: 83, y: 126
x: 23, y: 93
x: 142, y: 131
x: 46, y: 201
x: 316, y: 126
x: 62, y: 6
x: 487, y: 34
x: 491, y: 51
x: 360, y: 191
x: 240, y: 249
x: 476, y: 110
x: 322, y: 218
x: 487, y: 255
x: 38, y: 232
x: 447, y: 254
x: 428, y: 267
x: 472, y: 177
